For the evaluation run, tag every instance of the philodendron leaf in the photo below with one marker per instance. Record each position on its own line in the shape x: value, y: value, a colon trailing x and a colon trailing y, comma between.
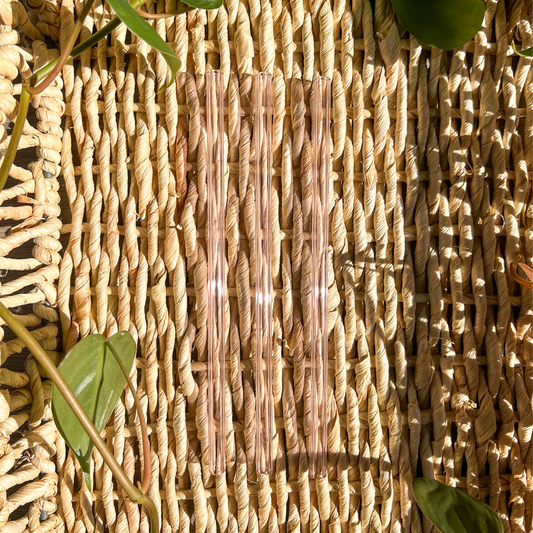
x: 453, y: 511
x: 142, y: 29
x: 523, y: 53
x: 203, y: 4
x: 94, y: 376
x: 441, y: 23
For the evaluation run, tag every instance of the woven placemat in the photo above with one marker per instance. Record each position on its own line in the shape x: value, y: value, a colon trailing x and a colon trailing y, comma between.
x: 431, y: 367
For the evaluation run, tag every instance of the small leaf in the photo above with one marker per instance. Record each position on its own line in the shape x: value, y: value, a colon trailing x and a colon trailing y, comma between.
x: 517, y: 277
x: 523, y: 53
x: 441, y: 23
x: 203, y: 4
x: 95, y: 377
x: 142, y: 29
x: 453, y: 511
x: 527, y: 270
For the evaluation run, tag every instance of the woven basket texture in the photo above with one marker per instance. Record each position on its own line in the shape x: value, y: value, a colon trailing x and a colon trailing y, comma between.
x: 430, y: 359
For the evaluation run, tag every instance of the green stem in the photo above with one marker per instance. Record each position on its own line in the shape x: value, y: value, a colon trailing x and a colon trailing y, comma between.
x: 134, y: 494
x: 155, y: 16
x: 147, y: 473
x: 36, y: 77
x: 63, y: 58
x: 40, y: 75
x: 150, y: 507
x: 16, y: 134
x: 181, y: 9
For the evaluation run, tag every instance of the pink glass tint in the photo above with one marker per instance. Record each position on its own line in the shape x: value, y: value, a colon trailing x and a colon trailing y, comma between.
x: 320, y: 130
x: 264, y: 408
x: 216, y: 290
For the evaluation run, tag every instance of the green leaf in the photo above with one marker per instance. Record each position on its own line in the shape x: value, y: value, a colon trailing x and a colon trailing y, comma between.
x: 203, y: 4
x: 95, y: 377
x: 441, y: 23
x: 142, y: 29
x: 453, y: 511
x: 523, y: 53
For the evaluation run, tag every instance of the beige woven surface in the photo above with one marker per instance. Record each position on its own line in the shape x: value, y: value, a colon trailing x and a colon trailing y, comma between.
x: 431, y: 367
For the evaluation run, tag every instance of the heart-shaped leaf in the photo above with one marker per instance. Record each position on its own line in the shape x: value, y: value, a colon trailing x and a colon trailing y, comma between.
x: 453, y: 511
x: 142, y: 29
x: 94, y: 376
x: 203, y: 4
x: 441, y: 23
x: 523, y: 53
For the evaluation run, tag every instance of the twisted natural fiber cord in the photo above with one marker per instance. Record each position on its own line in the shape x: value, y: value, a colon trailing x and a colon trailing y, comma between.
x: 430, y: 346
x: 36, y: 209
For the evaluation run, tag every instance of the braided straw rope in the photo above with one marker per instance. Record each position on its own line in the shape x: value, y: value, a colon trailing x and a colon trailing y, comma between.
x: 431, y: 362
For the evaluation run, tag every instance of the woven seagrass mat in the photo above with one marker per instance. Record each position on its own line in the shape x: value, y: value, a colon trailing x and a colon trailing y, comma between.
x: 431, y: 366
